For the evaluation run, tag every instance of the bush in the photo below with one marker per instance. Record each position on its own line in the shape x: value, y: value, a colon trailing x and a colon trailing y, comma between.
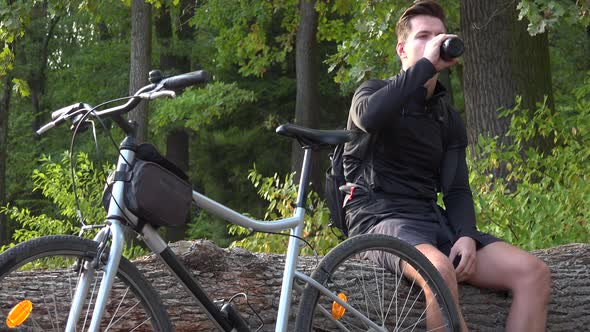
x: 53, y: 179
x: 281, y: 194
x: 543, y: 199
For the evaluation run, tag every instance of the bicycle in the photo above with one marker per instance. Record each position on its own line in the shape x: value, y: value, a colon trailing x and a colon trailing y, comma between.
x: 91, y: 276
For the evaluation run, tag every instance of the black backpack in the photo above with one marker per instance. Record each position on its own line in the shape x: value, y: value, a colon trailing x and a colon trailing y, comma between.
x: 336, y: 185
x: 334, y: 196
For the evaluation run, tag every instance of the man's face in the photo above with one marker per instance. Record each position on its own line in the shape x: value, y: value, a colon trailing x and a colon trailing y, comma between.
x: 423, y: 29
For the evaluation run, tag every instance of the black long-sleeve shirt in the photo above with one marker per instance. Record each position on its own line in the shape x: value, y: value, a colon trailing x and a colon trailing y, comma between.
x: 417, y: 146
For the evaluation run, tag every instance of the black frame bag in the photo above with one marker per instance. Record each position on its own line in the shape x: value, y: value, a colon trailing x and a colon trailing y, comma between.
x: 156, y: 190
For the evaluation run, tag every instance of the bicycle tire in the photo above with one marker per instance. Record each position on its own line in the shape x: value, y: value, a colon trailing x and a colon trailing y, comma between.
x: 343, y: 261
x: 49, y: 291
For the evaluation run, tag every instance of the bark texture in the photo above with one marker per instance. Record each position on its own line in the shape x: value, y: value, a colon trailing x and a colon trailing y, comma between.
x: 501, y: 61
x: 141, y: 37
x: 226, y: 272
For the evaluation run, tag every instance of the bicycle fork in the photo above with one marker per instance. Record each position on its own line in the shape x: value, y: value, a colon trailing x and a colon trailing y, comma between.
x: 87, y: 275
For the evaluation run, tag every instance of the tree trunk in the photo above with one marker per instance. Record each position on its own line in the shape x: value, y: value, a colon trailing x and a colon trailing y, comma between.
x: 4, y: 111
x: 225, y: 272
x: 40, y: 34
x: 177, y: 141
x: 308, y: 102
x: 141, y: 49
x: 501, y: 61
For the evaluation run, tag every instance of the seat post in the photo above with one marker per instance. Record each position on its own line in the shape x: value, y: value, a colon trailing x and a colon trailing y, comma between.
x: 304, y: 178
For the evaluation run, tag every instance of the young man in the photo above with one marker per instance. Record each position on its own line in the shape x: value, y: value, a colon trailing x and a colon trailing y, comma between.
x: 415, y: 144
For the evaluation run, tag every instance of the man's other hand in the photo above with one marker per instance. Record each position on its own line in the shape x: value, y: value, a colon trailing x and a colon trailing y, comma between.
x: 465, y: 248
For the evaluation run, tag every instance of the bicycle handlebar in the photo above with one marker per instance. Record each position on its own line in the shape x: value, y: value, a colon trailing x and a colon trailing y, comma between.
x: 162, y: 88
x: 185, y: 80
x: 55, y: 115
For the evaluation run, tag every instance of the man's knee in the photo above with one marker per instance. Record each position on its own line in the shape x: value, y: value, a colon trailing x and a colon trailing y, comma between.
x: 447, y: 272
x: 535, y: 277
x: 441, y: 263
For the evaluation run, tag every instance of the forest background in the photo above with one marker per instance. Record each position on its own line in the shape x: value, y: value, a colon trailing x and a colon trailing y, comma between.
x: 522, y: 87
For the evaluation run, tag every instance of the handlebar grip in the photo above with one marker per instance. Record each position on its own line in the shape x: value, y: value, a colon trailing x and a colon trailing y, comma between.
x: 185, y: 80
x: 45, y: 128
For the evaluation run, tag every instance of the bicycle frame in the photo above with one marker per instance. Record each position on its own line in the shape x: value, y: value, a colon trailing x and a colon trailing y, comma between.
x: 114, y: 230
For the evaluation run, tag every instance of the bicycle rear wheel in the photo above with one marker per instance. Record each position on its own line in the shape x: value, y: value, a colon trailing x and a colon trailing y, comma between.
x: 45, y: 272
x: 382, y: 295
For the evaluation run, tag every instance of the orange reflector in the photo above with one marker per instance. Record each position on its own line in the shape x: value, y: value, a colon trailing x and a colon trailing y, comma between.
x: 19, y: 313
x: 337, y: 309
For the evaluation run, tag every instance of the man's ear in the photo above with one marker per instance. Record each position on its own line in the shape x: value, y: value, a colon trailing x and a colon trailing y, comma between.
x: 401, y: 52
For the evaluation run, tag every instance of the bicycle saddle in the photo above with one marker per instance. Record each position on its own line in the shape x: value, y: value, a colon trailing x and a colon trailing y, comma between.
x: 315, y: 137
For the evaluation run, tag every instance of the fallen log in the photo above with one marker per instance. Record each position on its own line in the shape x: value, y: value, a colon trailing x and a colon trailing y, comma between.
x: 224, y: 273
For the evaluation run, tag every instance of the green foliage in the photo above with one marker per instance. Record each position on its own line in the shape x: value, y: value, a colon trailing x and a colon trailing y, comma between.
x: 21, y: 87
x: 365, y: 33
x: 222, y: 152
x: 546, y: 14
x: 242, y: 29
x: 569, y: 51
x: 34, y: 226
x: 13, y: 19
x: 543, y: 200
x: 197, y: 108
x: 6, y: 60
x: 281, y: 194
x: 53, y: 180
x: 205, y: 226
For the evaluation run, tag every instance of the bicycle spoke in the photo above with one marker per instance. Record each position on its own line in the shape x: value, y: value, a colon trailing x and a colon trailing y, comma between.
x: 413, y: 303
x: 380, y: 311
x: 46, y: 306
x: 367, y: 295
x: 393, y: 297
x: 145, y: 321
x: 89, y: 303
x: 55, y: 306
x: 71, y: 294
x: 126, y: 312
x: 406, y: 301
x: 117, y: 310
x: 353, y: 326
x: 397, y: 312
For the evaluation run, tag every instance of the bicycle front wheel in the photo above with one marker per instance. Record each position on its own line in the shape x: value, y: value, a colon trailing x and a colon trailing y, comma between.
x: 354, y: 270
x: 38, y: 279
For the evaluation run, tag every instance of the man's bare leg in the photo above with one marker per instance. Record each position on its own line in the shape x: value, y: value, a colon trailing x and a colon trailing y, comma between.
x: 447, y: 271
x: 503, y: 266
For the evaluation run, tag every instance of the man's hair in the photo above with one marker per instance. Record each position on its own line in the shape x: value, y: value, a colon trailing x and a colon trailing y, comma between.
x: 420, y: 7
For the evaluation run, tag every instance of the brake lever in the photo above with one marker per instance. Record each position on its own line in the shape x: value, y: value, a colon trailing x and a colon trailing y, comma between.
x: 75, y: 111
x: 157, y: 94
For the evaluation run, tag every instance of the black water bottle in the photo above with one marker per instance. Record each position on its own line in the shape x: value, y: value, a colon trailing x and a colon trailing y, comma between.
x: 451, y: 48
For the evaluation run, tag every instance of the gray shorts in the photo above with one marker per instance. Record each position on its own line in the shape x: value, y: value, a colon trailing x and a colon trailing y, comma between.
x: 417, y: 232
